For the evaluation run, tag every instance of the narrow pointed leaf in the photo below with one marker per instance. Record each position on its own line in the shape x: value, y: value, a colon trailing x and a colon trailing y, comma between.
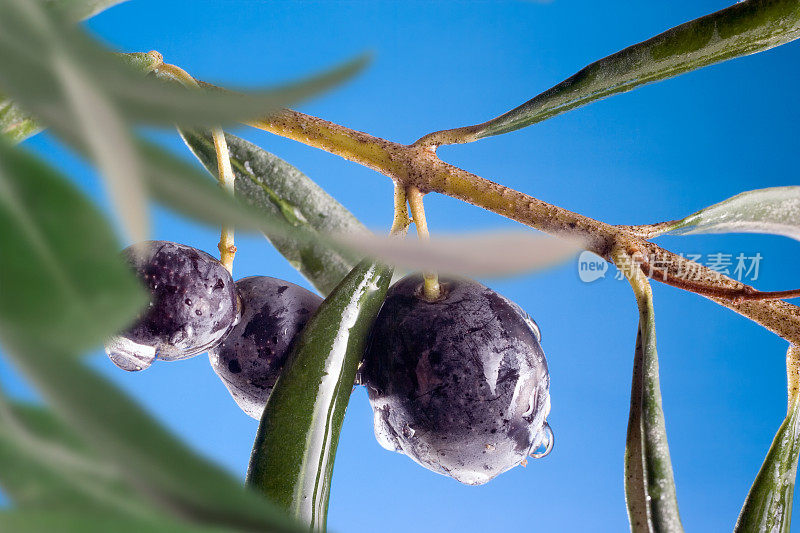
x: 768, y: 506
x: 775, y: 210
x: 166, y: 473
x: 649, y: 483
x: 80, y: 9
x: 231, y: 106
x: 17, y: 125
x: 61, y: 280
x: 744, y: 28
x: 111, y: 147
x: 32, y: 39
x: 179, y: 185
x: 46, y: 465
x: 271, y: 184
x: 190, y: 191
x: 294, y: 451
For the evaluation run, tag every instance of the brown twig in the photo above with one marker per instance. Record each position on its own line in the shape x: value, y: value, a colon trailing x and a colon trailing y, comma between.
x: 418, y: 165
x: 736, y: 295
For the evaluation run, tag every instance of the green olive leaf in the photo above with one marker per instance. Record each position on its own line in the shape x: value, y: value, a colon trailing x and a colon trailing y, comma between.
x: 53, y: 69
x: 17, y: 125
x: 178, y: 184
x: 775, y: 210
x: 61, y: 280
x: 294, y: 451
x: 165, y: 472
x: 33, y: 40
x: 188, y: 190
x: 768, y: 506
x: 270, y: 184
x: 649, y: 483
x: 61, y: 294
x: 79, y: 105
x: 45, y: 465
x: 111, y: 145
x: 80, y: 9
x: 744, y: 28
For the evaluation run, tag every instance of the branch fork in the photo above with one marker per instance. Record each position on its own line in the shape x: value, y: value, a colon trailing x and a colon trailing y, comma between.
x: 417, y: 167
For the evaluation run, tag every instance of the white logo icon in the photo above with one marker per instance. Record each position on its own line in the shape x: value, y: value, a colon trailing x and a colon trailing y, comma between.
x: 591, y: 267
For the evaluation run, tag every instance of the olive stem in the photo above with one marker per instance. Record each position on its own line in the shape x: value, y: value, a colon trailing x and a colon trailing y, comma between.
x: 173, y: 71
x: 431, y: 289
x: 227, y: 180
x: 401, y: 220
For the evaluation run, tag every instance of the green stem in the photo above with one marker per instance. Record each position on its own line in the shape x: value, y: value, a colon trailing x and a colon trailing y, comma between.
x: 431, y: 289
x: 227, y: 180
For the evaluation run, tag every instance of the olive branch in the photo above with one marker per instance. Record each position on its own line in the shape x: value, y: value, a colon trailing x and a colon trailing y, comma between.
x: 91, y: 101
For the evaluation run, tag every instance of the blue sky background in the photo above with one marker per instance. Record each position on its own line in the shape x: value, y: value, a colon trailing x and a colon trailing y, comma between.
x: 654, y: 154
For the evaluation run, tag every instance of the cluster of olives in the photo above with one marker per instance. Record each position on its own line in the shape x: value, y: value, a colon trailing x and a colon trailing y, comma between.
x: 459, y: 384
x: 247, y: 327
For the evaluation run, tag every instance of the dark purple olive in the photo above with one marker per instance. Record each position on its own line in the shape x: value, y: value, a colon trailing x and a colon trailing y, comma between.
x: 192, y: 305
x: 460, y: 384
x: 250, y: 358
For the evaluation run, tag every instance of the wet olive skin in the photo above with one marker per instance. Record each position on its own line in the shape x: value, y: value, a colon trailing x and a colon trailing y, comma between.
x: 192, y: 305
x: 460, y: 385
x: 250, y: 358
